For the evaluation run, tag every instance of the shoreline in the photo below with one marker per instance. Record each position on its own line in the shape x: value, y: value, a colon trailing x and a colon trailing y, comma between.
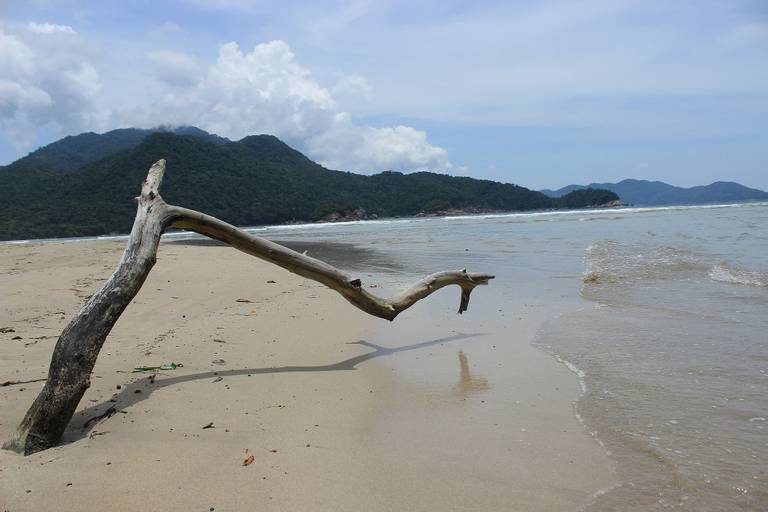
x: 433, y: 411
x: 391, y: 220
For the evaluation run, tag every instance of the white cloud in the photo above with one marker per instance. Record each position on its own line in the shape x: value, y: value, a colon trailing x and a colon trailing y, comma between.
x: 45, y: 83
x: 48, y: 83
x: 267, y: 91
x: 347, y: 146
x: 50, y: 28
x: 14, y: 98
x: 16, y: 58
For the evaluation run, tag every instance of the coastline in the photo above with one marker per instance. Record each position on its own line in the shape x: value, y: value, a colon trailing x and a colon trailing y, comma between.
x: 447, y: 413
x: 289, y: 226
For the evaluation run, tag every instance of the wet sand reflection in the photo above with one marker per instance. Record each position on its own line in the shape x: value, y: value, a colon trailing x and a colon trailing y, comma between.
x: 468, y: 384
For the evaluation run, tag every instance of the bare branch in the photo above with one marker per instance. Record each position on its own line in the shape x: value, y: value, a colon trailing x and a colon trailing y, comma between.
x: 311, y: 268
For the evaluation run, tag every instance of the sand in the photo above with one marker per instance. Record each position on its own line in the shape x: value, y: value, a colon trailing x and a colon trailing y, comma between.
x: 339, y: 410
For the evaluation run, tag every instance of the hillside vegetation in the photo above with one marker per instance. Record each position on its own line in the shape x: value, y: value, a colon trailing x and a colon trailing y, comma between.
x: 71, y: 188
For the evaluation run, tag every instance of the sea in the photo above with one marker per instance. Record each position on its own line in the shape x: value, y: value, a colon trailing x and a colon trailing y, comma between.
x: 661, y: 313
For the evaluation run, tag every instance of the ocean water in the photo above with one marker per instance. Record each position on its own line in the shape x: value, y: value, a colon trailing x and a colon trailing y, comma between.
x: 662, y: 313
x: 673, y: 344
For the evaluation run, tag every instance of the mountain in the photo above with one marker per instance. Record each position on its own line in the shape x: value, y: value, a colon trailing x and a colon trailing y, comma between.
x: 257, y: 180
x: 74, y: 151
x: 654, y: 193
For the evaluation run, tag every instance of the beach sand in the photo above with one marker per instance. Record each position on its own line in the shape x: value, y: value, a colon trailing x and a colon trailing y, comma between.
x: 339, y: 410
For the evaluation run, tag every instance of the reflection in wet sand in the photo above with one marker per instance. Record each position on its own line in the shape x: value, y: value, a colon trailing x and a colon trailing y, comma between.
x: 467, y: 383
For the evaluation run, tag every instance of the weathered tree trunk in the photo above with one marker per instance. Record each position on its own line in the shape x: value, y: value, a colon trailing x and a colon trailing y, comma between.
x: 79, y: 344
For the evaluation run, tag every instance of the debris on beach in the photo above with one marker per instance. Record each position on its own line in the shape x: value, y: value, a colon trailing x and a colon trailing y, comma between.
x: 16, y: 382
x: 4, y: 330
x: 218, y: 379
x: 209, y: 425
x: 111, y: 411
x: 219, y: 361
x: 270, y: 281
x: 34, y: 339
x: 244, y: 300
x: 166, y: 366
x: 248, y: 461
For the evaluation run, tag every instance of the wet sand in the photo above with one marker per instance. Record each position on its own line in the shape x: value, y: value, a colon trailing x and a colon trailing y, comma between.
x: 340, y: 411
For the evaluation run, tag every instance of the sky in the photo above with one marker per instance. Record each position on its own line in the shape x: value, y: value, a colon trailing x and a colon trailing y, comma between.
x: 540, y: 93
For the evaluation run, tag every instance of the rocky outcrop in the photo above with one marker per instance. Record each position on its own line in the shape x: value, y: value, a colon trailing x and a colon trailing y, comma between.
x: 349, y: 215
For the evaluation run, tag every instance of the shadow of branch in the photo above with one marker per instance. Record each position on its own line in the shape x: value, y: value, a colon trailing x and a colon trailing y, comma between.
x: 82, y: 423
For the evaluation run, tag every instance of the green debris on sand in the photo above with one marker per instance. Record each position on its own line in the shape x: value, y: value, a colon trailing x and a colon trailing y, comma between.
x: 166, y: 366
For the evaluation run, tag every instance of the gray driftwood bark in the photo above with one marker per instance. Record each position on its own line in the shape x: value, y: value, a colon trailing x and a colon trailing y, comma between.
x: 78, y: 346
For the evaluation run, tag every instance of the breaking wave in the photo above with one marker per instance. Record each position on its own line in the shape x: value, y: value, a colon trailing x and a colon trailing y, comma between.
x: 730, y: 274
x: 609, y: 261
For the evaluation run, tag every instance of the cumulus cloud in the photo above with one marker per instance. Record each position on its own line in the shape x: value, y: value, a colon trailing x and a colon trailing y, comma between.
x: 49, y: 82
x: 263, y: 91
x: 347, y: 146
x: 15, y: 99
x: 45, y: 83
x: 267, y: 91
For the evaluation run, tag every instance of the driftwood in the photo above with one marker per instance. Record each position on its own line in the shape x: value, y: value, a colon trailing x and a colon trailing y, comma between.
x: 79, y: 344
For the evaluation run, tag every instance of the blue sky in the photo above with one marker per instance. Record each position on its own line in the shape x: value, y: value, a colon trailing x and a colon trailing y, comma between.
x: 541, y: 93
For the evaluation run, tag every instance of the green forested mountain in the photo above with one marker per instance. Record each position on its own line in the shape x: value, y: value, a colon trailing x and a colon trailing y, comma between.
x: 78, y: 187
x: 75, y: 151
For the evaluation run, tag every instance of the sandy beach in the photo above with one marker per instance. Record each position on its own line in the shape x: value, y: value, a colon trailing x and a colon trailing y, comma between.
x: 340, y: 411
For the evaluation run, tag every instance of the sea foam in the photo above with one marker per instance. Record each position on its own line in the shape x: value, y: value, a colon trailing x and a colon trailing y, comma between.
x: 730, y: 274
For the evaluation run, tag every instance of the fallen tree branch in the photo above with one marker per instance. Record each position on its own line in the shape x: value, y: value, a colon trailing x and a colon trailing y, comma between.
x: 76, y: 350
x: 317, y: 270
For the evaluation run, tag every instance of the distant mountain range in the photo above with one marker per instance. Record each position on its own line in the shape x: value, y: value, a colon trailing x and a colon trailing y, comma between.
x: 84, y: 185
x: 657, y: 193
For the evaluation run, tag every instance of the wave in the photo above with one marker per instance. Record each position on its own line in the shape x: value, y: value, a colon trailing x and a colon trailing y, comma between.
x: 609, y: 261
x: 725, y: 273
x: 600, y: 211
x: 323, y: 225
x: 112, y: 237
